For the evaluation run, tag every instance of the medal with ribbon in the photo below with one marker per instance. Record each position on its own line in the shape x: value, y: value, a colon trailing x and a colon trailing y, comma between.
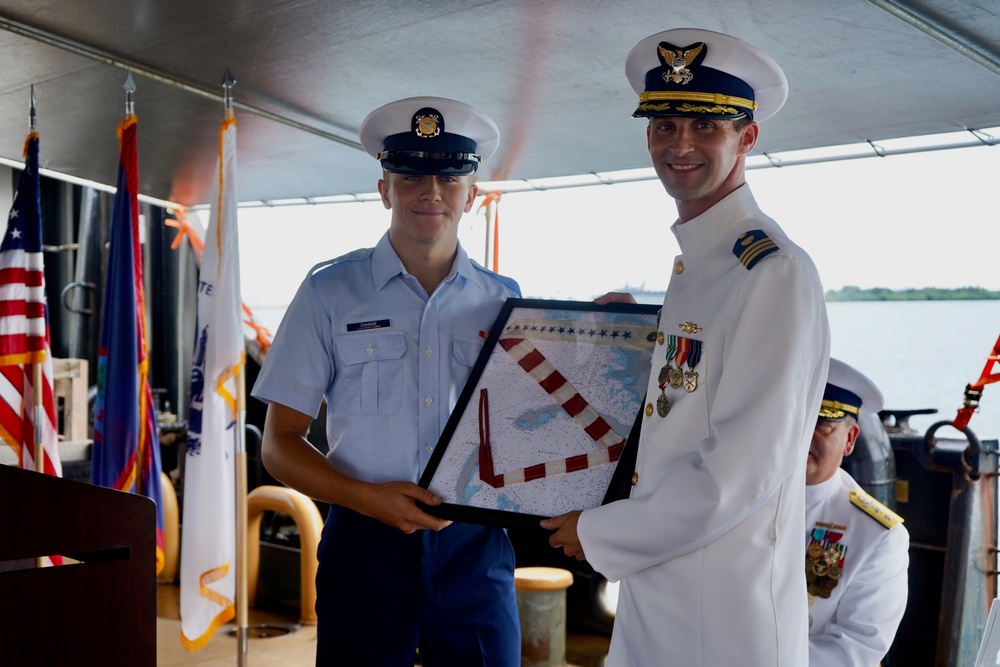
x: 693, y: 357
x: 680, y: 345
x: 824, y: 561
x: 688, y: 352
x: 662, y: 402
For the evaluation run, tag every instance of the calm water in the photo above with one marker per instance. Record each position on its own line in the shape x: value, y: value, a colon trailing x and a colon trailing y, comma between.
x: 921, y: 354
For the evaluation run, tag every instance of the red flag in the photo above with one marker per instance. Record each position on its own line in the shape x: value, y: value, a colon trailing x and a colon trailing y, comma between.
x: 24, y: 325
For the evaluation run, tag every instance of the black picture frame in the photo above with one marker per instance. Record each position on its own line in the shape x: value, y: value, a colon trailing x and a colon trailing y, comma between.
x: 566, y: 441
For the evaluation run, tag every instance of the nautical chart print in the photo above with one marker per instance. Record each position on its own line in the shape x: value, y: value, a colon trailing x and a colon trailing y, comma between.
x: 538, y: 431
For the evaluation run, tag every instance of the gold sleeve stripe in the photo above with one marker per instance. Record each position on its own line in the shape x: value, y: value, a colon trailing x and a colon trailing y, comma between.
x: 755, y: 249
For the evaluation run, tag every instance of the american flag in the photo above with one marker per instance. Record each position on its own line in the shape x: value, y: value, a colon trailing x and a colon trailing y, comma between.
x: 24, y: 325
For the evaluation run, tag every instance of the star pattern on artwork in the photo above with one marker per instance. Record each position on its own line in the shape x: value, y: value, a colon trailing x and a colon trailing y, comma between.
x: 614, y: 334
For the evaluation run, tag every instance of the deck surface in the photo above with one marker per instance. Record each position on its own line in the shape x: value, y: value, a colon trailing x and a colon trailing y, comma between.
x: 296, y: 649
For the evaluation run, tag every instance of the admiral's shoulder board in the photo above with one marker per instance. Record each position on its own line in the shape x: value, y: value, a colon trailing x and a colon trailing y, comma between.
x: 875, y: 509
x: 753, y: 246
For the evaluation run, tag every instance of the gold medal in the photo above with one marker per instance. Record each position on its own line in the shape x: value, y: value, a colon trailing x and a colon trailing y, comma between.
x: 690, y: 381
x: 664, y: 375
x: 676, y: 377
x: 833, y: 572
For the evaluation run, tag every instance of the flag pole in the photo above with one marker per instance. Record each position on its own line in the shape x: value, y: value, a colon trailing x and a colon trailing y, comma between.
x: 36, y: 362
x: 241, y: 465
x: 129, y: 87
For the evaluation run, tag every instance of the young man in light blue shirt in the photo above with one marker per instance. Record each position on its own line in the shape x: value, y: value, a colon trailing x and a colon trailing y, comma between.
x: 388, y: 336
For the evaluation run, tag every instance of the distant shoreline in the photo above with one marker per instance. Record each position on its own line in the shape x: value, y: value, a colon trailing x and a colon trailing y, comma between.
x: 852, y: 293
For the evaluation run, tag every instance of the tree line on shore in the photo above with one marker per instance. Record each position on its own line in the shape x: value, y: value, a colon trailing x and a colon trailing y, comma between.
x: 853, y: 293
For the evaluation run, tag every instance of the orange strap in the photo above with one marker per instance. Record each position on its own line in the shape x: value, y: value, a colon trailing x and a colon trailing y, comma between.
x: 264, y: 336
x: 973, y: 392
x: 185, y: 229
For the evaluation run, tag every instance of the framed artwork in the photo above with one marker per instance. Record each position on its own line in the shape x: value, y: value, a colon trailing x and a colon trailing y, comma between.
x: 543, y: 420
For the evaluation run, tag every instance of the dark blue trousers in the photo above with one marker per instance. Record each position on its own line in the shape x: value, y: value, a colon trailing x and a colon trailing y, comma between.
x: 381, y: 594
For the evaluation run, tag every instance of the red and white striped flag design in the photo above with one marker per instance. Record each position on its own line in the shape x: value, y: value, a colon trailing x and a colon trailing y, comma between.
x: 24, y: 325
x: 536, y: 365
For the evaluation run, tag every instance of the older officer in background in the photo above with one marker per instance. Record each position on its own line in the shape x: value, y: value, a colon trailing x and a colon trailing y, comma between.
x: 707, y: 547
x: 856, y: 548
x: 388, y: 336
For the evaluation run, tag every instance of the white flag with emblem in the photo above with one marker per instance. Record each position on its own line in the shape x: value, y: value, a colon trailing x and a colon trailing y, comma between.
x: 208, y: 547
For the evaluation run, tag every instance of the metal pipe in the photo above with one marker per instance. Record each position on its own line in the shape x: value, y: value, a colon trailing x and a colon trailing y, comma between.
x: 945, y: 34
x: 114, y: 60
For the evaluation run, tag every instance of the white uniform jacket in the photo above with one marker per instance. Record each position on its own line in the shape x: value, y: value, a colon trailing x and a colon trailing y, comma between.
x: 708, y: 547
x: 855, y: 625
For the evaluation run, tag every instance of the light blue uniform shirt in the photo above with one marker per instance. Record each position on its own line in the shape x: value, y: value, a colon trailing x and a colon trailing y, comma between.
x: 390, y: 359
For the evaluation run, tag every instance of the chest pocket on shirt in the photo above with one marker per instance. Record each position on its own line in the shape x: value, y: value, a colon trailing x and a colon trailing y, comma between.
x: 374, y: 368
x: 466, y: 350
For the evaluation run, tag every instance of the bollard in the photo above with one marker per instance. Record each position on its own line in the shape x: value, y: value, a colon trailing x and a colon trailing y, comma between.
x: 541, y: 606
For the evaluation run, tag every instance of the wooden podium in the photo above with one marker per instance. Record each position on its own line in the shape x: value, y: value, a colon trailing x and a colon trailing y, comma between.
x: 101, y: 610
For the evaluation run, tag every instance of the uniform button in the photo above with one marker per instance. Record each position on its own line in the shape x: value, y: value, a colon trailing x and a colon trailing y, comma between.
x: 428, y: 306
x: 428, y: 352
x: 428, y: 400
x: 659, y: 338
x: 679, y: 268
x: 649, y: 409
x: 429, y: 448
x: 370, y: 350
x: 635, y: 478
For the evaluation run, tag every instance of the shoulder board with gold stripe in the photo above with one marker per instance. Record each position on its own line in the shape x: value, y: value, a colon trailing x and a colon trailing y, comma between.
x: 875, y: 509
x: 753, y: 246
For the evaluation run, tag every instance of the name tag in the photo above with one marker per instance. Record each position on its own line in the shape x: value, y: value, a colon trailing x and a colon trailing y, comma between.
x: 368, y: 326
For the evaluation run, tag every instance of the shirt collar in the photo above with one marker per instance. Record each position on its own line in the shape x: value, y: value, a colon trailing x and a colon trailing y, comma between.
x: 386, y: 264
x: 824, y: 490
x: 723, y: 221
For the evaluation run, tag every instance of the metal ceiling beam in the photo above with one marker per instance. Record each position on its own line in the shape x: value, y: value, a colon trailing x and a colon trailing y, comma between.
x: 945, y: 34
x: 107, y: 58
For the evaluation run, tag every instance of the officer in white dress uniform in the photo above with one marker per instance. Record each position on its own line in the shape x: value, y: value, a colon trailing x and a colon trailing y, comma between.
x: 708, y: 545
x: 856, y: 548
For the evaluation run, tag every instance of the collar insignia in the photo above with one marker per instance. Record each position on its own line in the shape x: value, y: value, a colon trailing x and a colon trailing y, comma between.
x: 679, y: 60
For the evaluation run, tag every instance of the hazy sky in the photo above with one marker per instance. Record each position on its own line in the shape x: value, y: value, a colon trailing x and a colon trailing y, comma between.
x: 918, y: 220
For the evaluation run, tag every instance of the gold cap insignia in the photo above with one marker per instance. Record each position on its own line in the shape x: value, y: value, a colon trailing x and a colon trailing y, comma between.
x: 678, y: 61
x: 428, y: 126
